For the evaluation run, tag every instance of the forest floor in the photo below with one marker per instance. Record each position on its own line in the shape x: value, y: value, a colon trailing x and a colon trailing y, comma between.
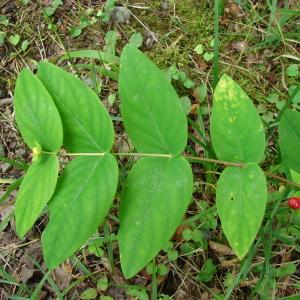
x: 259, y: 48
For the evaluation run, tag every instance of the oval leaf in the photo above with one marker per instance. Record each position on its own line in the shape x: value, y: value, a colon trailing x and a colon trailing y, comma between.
x: 36, y: 114
x: 237, y: 131
x: 151, y: 110
x: 81, y: 201
x: 87, y: 125
x: 155, y: 197
x: 36, y: 190
x: 104, y: 57
x: 289, y: 140
x: 241, y: 204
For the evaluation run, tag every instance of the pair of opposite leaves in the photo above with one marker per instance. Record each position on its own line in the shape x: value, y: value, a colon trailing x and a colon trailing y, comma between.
x: 157, y: 190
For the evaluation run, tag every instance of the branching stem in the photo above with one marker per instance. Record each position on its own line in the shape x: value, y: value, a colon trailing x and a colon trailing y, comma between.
x: 188, y: 157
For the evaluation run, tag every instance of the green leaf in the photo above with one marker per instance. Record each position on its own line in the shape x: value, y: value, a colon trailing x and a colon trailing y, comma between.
x: 136, y: 39
x: 14, y: 39
x: 89, y: 293
x: 207, y: 272
x: 208, y: 56
x: 111, y: 38
x: 152, y: 113
x: 75, y: 31
x: 237, y: 132
x: 102, y: 284
x: 295, y: 176
x: 80, y: 203
x: 172, y: 255
x: 24, y: 45
x: 36, y: 114
x: 155, y: 196
x: 199, y: 49
x: 186, y: 104
x: 86, y: 123
x: 162, y: 270
x: 36, y: 190
x: 241, y: 204
x: 94, y: 54
x: 286, y: 270
x: 4, y: 20
x: 188, y: 83
x: 292, y: 70
x: 289, y: 140
x: 187, y: 234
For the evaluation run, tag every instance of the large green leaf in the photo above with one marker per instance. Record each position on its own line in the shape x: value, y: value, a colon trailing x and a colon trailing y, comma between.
x: 237, y: 132
x: 36, y: 190
x: 155, y: 196
x: 81, y: 201
x: 36, y: 114
x: 151, y: 110
x: 241, y: 204
x: 86, y: 123
x: 289, y: 140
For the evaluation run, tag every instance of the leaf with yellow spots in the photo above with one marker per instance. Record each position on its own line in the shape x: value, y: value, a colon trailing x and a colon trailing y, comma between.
x: 241, y: 204
x: 237, y: 131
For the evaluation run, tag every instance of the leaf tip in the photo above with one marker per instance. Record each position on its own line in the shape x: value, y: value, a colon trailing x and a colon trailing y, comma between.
x: 21, y: 229
x: 128, y: 270
x: 20, y: 232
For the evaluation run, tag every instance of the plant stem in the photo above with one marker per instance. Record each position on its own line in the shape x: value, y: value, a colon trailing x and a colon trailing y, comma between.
x: 119, y: 154
x: 288, y: 182
x: 143, y: 154
x: 188, y: 157
x: 214, y: 161
x: 84, y: 154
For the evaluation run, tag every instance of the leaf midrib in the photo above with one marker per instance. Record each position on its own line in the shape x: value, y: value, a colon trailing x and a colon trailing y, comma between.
x: 81, y: 125
x: 165, y: 146
x: 39, y: 127
x: 83, y: 186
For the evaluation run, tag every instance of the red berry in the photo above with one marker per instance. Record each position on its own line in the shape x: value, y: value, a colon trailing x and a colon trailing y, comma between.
x: 294, y: 202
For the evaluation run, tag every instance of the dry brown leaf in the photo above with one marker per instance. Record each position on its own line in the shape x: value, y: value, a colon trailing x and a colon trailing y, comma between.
x: 220, y: 248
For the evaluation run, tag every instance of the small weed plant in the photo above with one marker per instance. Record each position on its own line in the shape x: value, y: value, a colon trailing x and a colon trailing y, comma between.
x: 54, y: 109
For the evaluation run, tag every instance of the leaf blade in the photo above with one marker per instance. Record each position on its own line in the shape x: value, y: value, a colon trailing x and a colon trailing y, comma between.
x: 237, y: 131
x: 151, y: 110
x: 86, y: 123
x: 156, y: 189
x: 36, y: 114
x: 105, y: 57
x: 83, y: 196
x: 241, y: 203
x: 36, y: 190
x: 289, y: 140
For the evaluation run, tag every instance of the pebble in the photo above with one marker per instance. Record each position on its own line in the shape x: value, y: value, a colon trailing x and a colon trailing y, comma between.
x: 121, y: 15
x: 4, y: 167
x: 9, y: 8
x: 164, y: 5
x: 151, y: 38
x: 20, y: 152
